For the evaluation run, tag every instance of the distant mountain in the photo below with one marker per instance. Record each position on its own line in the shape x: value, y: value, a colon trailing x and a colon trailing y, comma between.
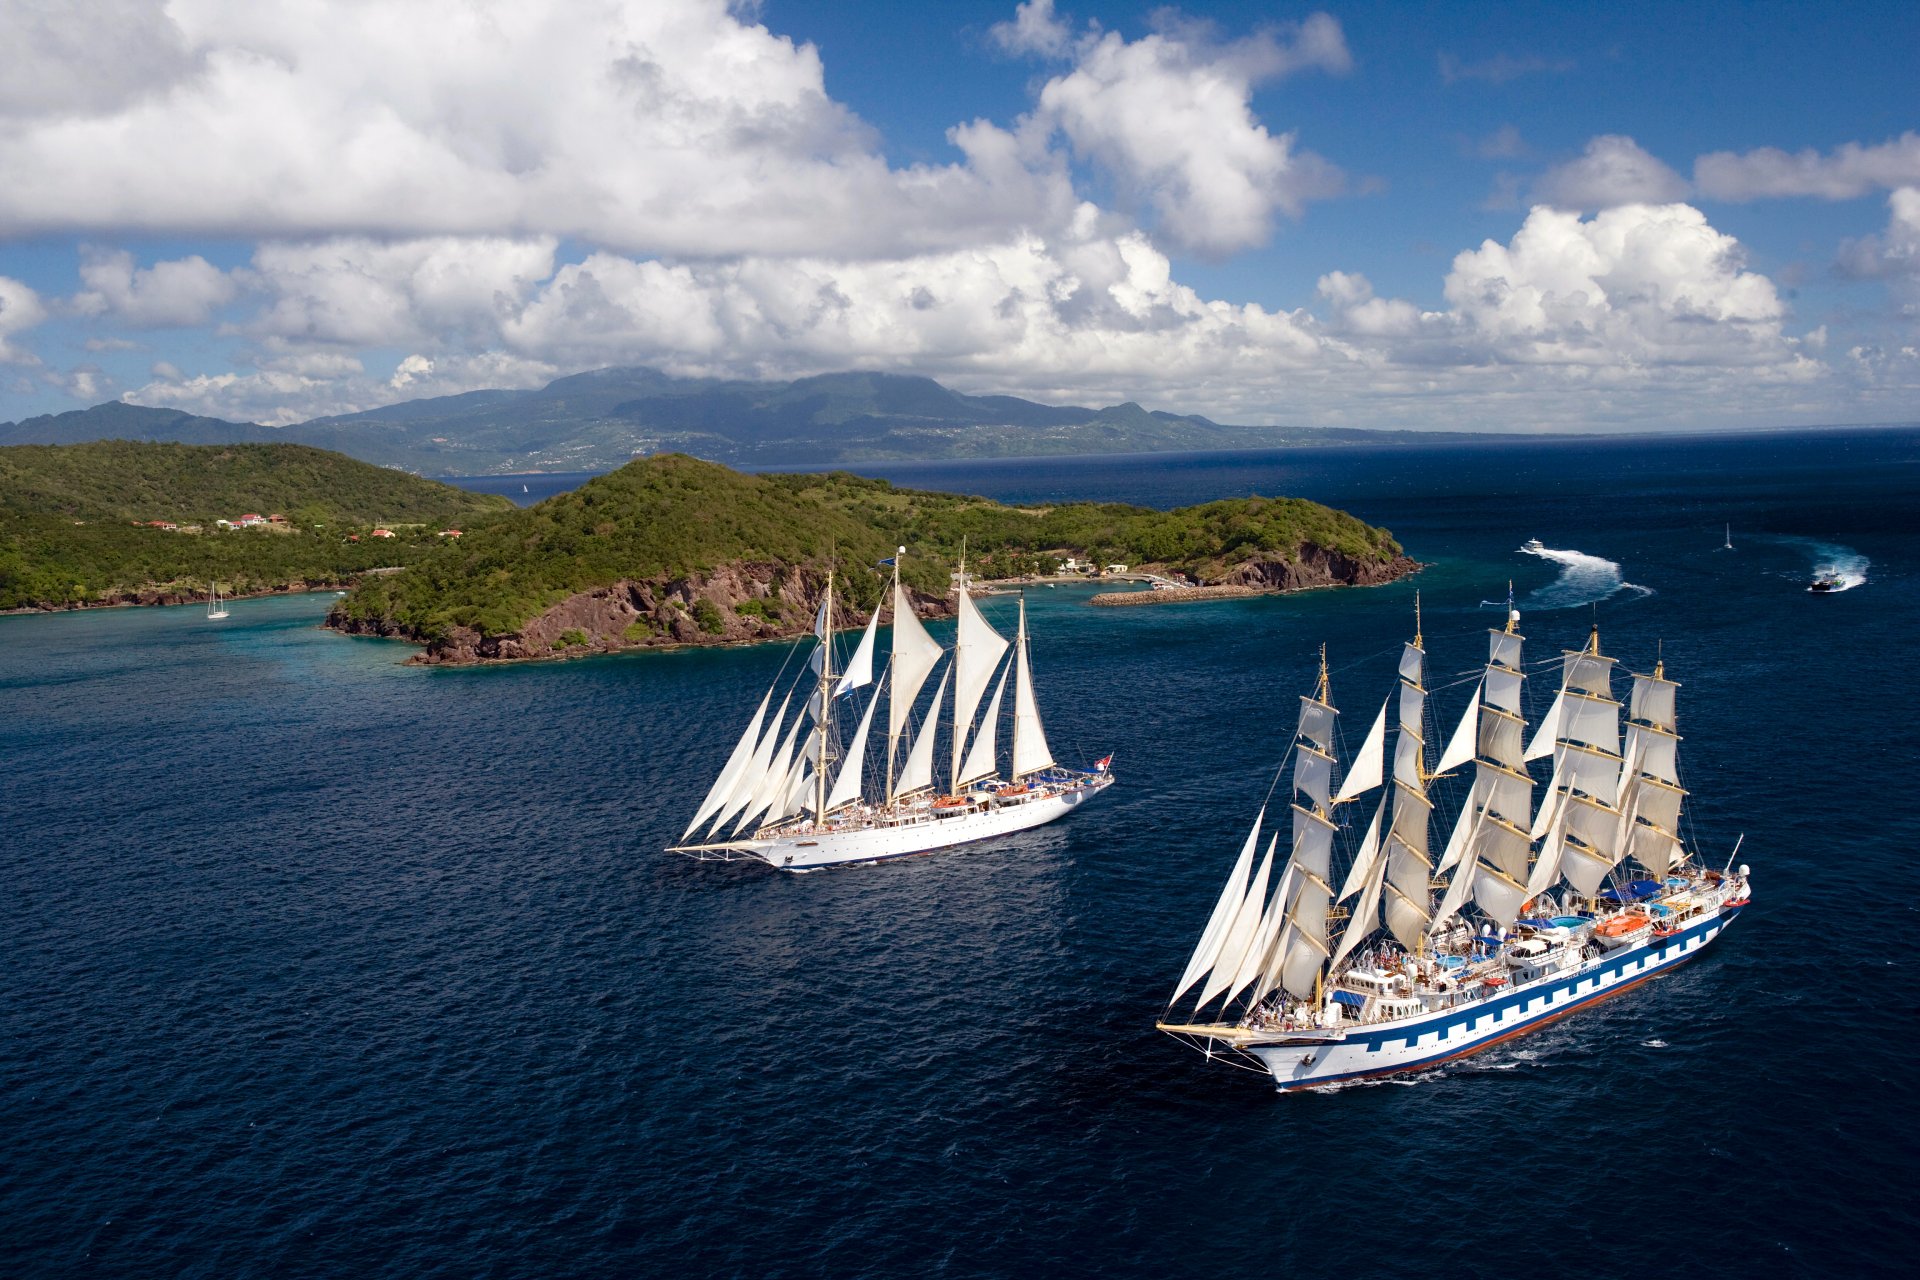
x: 599, y: 420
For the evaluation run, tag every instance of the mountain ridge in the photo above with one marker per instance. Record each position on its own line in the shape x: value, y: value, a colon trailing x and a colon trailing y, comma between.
x: 603, y: 418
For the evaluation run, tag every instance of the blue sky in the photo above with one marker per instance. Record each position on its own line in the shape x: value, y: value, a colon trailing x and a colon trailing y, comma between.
x: 1563, y: 217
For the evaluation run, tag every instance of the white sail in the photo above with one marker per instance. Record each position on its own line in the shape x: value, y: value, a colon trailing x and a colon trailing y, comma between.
x: 1499, y: 895
x: 1659, y: 803
x: 915, y: 654
x: 1653, y: 752
x: 846, y: 787
x: 773, y: 783
x: 1594, y: 722
x: 722, y: 788
x: 1589, y: 673
x: 1504, y: 650
x: 1460, y: 746
x: 1459, y: 892
x: 1235, y: 892
x: 1408, y: 752
x: 1365, y: 857
x: 1254, y: 962
x: 1654, y: 849
x: 1502, y: 689
x: 1365, y: 914
x: 1504, y: 793
x: 1316, y: 723
x: 1366, y: 773
x: 1549, y: 730
x: 986, y: 741
x: 1240, y: 934
x: 1412, y: 662
x: 1306, y: 946
x: 1457, y: 842
x: 752, y: 772
x: 1503, y: 847
x: 799, y: 791
x: 859, y: 672
x: 1501, y: 734
x: 918, y: 771
x: 1407, y: 898
x: 1411, y: 811
x: 976, y: 653
x: 1313, y: 775
x: 1030, y: 750
x: 1653, y: 698
x: 1591, y: 771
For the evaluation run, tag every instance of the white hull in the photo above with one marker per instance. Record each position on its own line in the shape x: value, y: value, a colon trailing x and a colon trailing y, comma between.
x: 1309, y: 1059
x: 923, y: 832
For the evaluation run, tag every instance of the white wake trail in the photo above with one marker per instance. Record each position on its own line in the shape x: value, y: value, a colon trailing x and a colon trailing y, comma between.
x: 1584, y: 579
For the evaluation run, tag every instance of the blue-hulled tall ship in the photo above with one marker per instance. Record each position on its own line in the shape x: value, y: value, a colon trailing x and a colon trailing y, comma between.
x: 1524, y: 916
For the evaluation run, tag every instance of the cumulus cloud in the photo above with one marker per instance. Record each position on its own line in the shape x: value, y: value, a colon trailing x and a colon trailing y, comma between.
x: 176, y: 294
x: 1893, y: 255
x: 58, y: 58
x: 1170, y: 116
x: 20, y: 310
x: 1635, y: 285
x: 357, y: 291
x: 1848, y: 171
x: 1034, y: 29
x: 636, y: 124
x: 1613, y: 170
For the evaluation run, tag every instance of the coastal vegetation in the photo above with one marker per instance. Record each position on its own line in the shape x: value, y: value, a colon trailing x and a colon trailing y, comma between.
x: 671, y: 549
x: 122, y: 521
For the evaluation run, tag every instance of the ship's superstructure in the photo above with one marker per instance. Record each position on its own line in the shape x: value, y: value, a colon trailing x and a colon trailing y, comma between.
x: 797, y: 799
x: 1526, y: 914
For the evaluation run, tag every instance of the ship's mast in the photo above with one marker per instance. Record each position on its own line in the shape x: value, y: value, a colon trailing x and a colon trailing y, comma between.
x: 826, y: 701
x: 894, y: 675
x: 959, y: 732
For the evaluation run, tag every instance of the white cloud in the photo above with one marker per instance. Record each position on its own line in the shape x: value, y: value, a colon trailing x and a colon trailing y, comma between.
x: 1848, y: 171
x: 1170, y: 117
x: 1034, y: 29
x: 636, y: 124
x: 20, y: 310
x: 61, y: 58
x: 1893, y: 255
x: 1639, y: 285
x: 357, y: 291
x: 1613, y: 170
x: 181, y: 293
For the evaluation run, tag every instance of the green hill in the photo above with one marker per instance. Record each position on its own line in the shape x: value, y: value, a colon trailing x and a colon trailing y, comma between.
x: 77, y: 521
x: 675, y: 550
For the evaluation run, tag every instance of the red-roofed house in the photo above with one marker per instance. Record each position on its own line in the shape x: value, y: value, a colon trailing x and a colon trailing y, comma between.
x: 383, y: 533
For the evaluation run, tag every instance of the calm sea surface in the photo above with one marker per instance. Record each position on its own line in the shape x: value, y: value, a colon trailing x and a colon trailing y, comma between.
x: 317, y: 964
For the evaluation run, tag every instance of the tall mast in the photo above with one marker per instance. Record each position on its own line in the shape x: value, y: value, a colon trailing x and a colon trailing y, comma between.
x: 826, y: 701
x: 959, y: 730
x: 894, y: 676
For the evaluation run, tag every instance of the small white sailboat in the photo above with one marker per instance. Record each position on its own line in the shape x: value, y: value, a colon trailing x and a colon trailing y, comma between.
x: 216, y: 607
x: 1728, y: 544
x: 796, y: 800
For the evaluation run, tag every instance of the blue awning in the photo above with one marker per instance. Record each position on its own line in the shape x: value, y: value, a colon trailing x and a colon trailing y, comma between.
x: 1632, y: 892
x: 1349, y: 999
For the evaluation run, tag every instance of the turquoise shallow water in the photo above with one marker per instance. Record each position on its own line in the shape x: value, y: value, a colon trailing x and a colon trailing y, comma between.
x: 322, y: 965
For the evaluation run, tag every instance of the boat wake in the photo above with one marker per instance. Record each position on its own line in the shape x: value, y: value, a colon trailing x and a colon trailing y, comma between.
x: 1583, y: 580
x: 1842, y: 566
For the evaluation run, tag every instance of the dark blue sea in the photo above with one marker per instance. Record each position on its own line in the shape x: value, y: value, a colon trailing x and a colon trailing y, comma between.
x: 315, y: 964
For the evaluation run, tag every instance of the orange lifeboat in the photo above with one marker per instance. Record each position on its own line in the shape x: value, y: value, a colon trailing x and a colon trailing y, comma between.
x: 1621, y: 926
x: 952, y: 802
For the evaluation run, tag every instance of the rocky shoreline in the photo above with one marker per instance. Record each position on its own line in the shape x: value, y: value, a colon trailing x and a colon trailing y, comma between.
x: 734, y: 604
x: 1268, y: 578
x: 152, y: 597
x: 753, y: 602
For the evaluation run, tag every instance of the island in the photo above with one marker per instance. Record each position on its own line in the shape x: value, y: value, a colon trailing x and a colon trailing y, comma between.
x: 128, y: 522
x: 672, y: 551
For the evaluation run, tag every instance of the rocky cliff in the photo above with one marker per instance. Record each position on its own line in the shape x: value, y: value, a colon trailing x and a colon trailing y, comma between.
x: 733, y: 604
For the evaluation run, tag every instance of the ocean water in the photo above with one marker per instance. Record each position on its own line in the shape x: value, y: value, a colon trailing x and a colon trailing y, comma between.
x: 318, y: 964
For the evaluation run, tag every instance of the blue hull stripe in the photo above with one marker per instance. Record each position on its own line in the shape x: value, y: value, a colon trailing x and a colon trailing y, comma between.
x: 1666, y: 955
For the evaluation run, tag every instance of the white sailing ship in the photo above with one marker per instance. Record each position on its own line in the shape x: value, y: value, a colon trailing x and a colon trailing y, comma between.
x: 793, y: 798
x: 216, y: 607
x: 1523, y: 918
